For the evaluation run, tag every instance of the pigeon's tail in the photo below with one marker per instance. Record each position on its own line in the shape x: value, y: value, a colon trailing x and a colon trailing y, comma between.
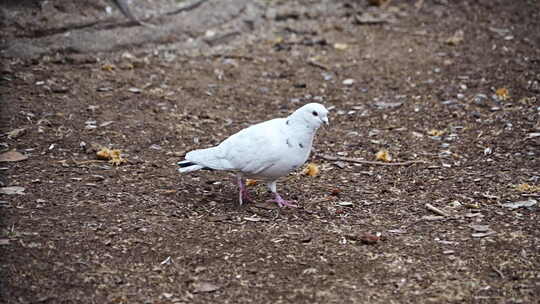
x: 205, y: 159
x: 188, y: 166
x: 210, y: 158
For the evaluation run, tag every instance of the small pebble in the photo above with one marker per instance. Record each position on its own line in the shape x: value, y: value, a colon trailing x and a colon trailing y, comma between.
x: 348, y: 82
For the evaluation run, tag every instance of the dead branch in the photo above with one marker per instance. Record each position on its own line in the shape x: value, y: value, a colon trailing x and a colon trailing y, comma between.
x: 435, y: 210
x: 368, y: 162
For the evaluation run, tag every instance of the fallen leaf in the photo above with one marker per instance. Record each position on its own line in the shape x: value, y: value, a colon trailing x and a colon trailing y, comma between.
x: 199, y: 287
x: 311, y: 169
x: 12, y: 190
x: 384, y: 156
x: 15, y: 133
x: 345, y: 203
x: 12, y: 156
x: 4, y: 241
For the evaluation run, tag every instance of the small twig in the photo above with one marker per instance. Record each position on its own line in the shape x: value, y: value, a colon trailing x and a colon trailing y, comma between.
x: 188, y: 7
x: 318, y: 65
x: 84, y: 162
x: 368, y: 162
x: 435, y: 209
x: 498, y: 271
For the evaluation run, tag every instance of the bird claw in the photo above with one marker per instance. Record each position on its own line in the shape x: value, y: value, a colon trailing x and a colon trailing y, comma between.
x: 244, y: 194
x: 282, y: 203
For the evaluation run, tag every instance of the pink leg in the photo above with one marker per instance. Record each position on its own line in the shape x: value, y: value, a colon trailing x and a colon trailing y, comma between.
x: 281, y: 202
x: 243, y: 193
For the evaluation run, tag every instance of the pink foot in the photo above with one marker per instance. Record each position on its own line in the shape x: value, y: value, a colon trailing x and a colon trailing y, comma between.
x: 281, y: 202
x: 243, y: 194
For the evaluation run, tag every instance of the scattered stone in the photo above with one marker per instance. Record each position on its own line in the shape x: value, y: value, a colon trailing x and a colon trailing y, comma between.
x: 202, y: 287
x: 219, y: 218
x: 369, y: 239
x: 387, y: 105
x: 16, y: 133
x: 12, y: 190
x: 483, y: 234
x: 12, y: 156
x: 348, y: 82
x: 372, y: 18
x: 433, y: 218
x: 529, y: 203
x: 480, y: 228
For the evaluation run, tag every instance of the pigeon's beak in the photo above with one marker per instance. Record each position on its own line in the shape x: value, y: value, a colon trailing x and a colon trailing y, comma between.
x: 325, y: 120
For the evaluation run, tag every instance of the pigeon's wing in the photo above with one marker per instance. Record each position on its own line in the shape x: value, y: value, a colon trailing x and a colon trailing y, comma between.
x: 255, y: 149
x: 251, y: 151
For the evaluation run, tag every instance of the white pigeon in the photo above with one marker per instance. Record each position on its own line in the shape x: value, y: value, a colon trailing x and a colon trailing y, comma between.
x: 265, y: 151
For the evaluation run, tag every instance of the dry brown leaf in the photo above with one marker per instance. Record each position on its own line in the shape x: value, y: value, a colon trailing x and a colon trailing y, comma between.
x: 384, y: 156
x: 311, y: 169
x: 12, y: 156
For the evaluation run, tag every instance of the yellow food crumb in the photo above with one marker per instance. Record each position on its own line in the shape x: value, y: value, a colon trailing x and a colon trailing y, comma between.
x: 435, y: 132
x: 502, y: 93
x: 341, y: 46
x: 311, y: 169
x: 384, y: 156
x: 527, y: 188
x: 250, y: 182
x: 113, y: 156
x: 108, y: 67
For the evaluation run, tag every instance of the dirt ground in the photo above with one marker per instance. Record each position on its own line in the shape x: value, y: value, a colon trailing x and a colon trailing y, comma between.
x: 450, y: 89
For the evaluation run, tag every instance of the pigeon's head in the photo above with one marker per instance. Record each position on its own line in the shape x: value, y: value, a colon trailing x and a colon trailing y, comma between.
x: 313, y: 114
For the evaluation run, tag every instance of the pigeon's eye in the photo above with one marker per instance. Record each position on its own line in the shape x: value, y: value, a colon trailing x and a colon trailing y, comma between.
x: 315, y: 113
